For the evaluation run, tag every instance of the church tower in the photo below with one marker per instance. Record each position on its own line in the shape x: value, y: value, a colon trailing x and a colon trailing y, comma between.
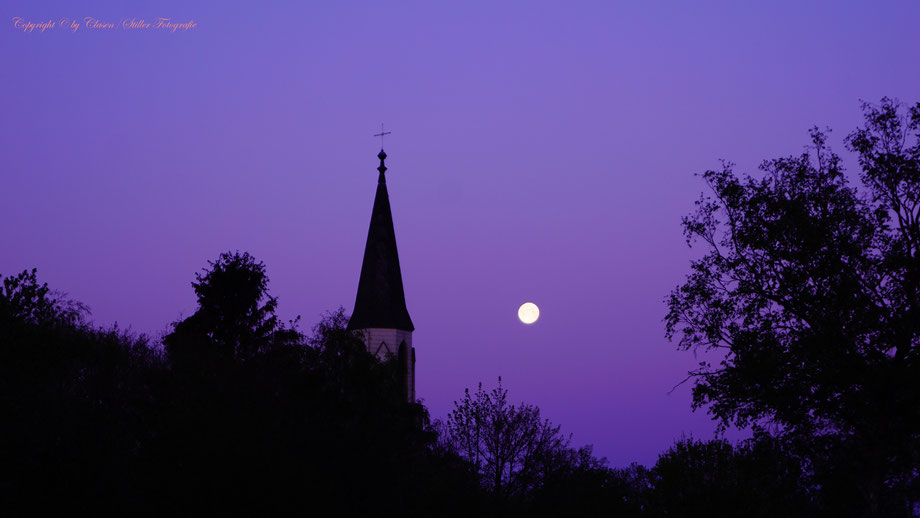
x: 380, y: 312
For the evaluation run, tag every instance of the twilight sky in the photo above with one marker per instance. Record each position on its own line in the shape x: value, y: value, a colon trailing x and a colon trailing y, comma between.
x: 541, y: 151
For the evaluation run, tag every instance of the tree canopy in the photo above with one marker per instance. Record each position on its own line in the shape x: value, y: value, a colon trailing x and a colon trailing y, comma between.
x: 240, y: 415
x: 509, y: 445
x: 235, y: 317
x: 809, y: 287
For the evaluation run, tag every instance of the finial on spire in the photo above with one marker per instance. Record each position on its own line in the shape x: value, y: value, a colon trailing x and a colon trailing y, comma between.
x: 382, y: 168
x: 382, y: 155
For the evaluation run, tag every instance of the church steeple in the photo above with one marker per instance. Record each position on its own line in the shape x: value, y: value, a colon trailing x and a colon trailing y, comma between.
x: 381, y: 302
x: 380, y: 312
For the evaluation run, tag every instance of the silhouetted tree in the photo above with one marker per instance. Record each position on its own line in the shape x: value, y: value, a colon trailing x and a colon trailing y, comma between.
x: 74, y: 402
x: 262, y: 420
x: 812, y: 292
x: 95, y: 421
x: 509, y: 446
x: 577, y: 484
x: 23, y: 301
x: 711, y: 479
x: 634, y: 484
x: 235, y: 318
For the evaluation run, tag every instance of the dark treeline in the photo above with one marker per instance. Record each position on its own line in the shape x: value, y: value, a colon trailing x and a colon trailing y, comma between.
x: 236, y: 414
x: 809, y: 290
x: 241, y: 414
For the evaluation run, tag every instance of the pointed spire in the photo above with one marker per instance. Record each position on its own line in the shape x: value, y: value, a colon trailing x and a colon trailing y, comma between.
x: 381, y: 302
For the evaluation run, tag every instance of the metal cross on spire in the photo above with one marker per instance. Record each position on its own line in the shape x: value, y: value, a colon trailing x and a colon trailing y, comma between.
x: 381, y: 135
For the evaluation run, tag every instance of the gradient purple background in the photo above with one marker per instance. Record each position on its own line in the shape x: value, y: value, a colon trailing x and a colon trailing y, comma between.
x: 541, y: 151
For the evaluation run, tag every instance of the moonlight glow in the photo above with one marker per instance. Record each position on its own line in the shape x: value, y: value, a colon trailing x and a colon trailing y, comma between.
x: 528, y: 312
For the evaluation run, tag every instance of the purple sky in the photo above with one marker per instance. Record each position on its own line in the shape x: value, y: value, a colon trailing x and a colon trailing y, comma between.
x: 541, y: 151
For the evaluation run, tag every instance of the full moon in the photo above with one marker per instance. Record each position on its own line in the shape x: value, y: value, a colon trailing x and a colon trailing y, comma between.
x: 528, y: 312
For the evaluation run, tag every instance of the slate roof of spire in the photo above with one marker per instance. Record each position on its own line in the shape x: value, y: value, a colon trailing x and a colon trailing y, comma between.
x: 381, y: 301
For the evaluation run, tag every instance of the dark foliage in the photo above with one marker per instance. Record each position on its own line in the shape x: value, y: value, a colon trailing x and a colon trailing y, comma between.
x: 100, y: 423
x: 235, y: 319
x: 758, y: 478
x: 249, y: 418
x: 103, y: 424
x: 509, y: 446
x: 528, y: 468
x: 75, y: 403
x: 811, y: 290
